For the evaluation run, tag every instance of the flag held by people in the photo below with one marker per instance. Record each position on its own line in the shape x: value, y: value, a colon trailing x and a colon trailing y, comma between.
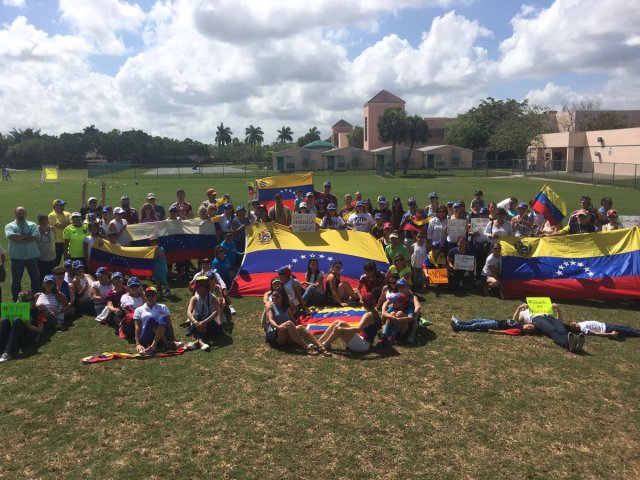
x: 286, y: 185
x: 271, y: 246
x: 136, y: 261
x: 549, y: 204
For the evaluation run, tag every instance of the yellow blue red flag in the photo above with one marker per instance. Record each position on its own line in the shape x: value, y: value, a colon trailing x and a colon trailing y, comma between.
x: 548, y: 203
x: 271, y: 246
x: 286, y: 185
x: 602, y: 265
x: 136, y: 261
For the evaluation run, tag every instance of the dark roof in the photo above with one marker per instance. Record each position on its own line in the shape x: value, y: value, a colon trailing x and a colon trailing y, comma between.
x: 342, y: 123
x: 319, y: 145
x: 436, y: 123
x: 385, y: 97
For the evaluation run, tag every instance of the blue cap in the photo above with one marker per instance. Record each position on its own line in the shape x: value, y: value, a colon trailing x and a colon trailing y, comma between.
x: 484, y: 211
x: 49, y: 278
x: 77, y: 264
x: 436, y: 244
x: 210, y: 274
x: 433, y: 195
x: 457, y: 205
x: 106, y: 209
x: 381, y: 199
x: 241, y: 208
x: 286, y: 270
x: 360, y: 203
x: 124, y: 197
x: 68, y: 263
x: 412, y: 201
x: 449, y: 204
x: 331, y: 206
x: 327, y: 183
x: 401, y: 282
x: 59, y: 201
x: 133, y: 281
x: 523, y: 205
x: 228, y: 205
x: 102, y: 271
x: 117, y: 275
x: 379, y: 216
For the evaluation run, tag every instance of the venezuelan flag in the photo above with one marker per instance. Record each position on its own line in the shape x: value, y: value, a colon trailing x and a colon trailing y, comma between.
x: 271, y: 246
x: 181, y: 239
x: 417, y: 223
x: 251, y: 187
x: 317, y: 321
x: 602, y: 265
x: 550, y: 205
x: 287, y: 185
x: 137, y: 261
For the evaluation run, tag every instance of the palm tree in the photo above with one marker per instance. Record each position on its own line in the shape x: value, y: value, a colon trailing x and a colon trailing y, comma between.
x: 285, y: 135
x: 392, y: 127
x: 223, y: 137
x: 417, y: 132
x: 254, y: 136
x: 313, y: 135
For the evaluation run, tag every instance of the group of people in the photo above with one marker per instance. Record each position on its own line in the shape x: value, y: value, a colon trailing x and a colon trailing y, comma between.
x: 414, y: 240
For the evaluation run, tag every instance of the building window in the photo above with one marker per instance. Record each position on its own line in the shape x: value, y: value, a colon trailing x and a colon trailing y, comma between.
x: 366, y: 129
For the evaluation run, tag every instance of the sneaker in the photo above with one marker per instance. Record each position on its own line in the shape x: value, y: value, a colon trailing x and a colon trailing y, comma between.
x: 232, y: 310
x: 580, y: 342
x: 454, y: 323
x: 191, y: 346
x: 147, y: 352
x: 5, y: 357
x: 573, y: 340
x: 59, y: 325
x: 205, y: 347
x: 424, y: 322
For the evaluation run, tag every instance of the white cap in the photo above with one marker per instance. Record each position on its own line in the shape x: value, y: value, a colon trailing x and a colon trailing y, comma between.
x: 118, y: 210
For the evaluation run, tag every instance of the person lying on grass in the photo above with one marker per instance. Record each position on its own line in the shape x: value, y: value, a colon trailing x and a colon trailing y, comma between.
x: 551, y: 326
x: 504, y: 327
x: 602, y: 329
x: 360, y: 338
x: 280, y: 329
x: 153, y: 325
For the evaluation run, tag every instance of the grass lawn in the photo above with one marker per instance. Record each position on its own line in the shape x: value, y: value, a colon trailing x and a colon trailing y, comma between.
x: 455, y: 405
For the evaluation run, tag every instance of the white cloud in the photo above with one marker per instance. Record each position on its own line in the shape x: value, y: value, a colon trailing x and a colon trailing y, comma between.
x: 555, y: 96
x: 15, y: 3
x: 99, y: 21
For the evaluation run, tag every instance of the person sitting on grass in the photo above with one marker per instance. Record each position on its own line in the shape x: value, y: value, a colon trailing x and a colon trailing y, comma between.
x: 338, y: 292
x: 505, y: 327
x: 113, y: 314
x: 414, y: 308
x: 81, y: 285
x: 131, y: 300
x: 19, y: 334
x: 400, y: 267
x: 551, y: 326
x: 280, y: 329
x: 491, y: 271
x: 153, y: 327
x: 99, y: 289
x: 314, y: 294
x: 204, y: 315
x: 602, y: 329
x: 360, y: 338
x: 372, y: 280
x: 51, y: 303
x: 397, y: 322
x: 218, y: 288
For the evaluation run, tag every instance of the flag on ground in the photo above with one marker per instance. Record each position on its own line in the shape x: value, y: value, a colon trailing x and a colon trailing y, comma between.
x: 317, y: 321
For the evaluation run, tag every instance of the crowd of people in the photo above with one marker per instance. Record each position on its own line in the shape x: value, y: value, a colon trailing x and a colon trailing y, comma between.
x: 56, y: 251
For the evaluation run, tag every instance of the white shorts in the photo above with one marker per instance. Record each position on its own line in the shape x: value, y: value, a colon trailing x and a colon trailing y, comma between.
x: 358, y: 344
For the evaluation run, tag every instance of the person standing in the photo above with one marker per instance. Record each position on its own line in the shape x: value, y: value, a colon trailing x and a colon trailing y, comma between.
x: 129, y: 213
x: 59, y: 219
x: 46, y: 260
x: 23, y: 250
x: 159, y: 209
x: 280, y: 213
x: 74, y: 236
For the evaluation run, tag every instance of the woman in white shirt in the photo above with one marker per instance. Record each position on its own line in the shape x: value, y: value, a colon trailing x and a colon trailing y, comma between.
x: 437, y: 230
x: 51, y: 302
x: 500, y: 227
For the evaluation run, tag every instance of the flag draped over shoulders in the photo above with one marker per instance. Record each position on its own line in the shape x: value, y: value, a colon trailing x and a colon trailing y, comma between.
x: 286, y: 185
x: 271, y: 246
x: 602, y: 265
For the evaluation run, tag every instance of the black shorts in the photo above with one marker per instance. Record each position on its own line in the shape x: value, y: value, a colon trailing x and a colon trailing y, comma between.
x: 271, y: 337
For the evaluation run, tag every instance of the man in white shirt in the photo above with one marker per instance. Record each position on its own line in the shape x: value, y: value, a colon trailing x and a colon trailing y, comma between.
x: 361, y: 221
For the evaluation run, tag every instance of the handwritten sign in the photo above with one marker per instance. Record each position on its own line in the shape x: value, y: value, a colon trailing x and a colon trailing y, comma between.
x: 479, y: 224
x: 464, y: 262
x: 438, y: 276
x: 629, y: 221
x: 303, y: 222
x: 457, y: 227
x: 19, y: 310
x: 540, y: 305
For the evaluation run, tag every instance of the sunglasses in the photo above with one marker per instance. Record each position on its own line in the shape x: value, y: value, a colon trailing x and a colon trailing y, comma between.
x: 497, y: 248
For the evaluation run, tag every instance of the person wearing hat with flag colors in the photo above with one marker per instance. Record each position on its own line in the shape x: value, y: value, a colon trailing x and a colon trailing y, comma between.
x: 91, y: 205
x: 59, y: 219
x: 81, y: 284
x: 99, y: 289
x: 131, y: 300
x: 153, y: 327
x: 360, y: 220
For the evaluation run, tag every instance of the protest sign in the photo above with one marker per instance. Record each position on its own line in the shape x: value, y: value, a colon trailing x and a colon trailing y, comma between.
x: 303, y: 222
x: 19, y: 310
x: 629, y: 221
x: 464, y: 262
x: 540, y: 305
x: 457, y: 227
x: 437, y: 275
x: 479, y: 224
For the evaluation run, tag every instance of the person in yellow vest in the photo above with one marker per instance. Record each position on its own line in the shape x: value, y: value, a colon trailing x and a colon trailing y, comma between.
x: 59, y: 219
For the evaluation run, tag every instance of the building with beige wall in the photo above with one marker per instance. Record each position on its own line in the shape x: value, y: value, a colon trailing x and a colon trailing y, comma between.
x: 373, y: 110
x: 588, y: 152
x: 340, y: 133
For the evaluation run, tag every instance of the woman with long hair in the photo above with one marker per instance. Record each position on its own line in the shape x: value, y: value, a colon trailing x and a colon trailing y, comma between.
x: 314, y: 284
x: 148, y: 213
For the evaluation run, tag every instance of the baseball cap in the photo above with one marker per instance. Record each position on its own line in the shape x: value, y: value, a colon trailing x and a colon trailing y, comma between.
x: 303, y: 205
x: 484, y: 211
x: 449, y: 204
x: 133, y: 281
x: 394, y: 235
x: 327, y: 183
x: 286, y: 270
x: 202, y: 278
x: 77, y: 264
x: 76, y: 214
x: 118, y: 211
x: 457, y: 205
x: 48, y: 278
x: 309, y: 194
x: 92, y: 199
x: 398, y: 298
x: 102, y: 271
x: 412, y: 201
x: 387, y: 225
x: 211, y: 191
x: 210, y: 274
x: 241, y: 208
x: 106, y: 209
x: 401, y: 282
x: 379, y: 216
x: 523, y: 205
x: 436, y: 244
x: 151, y: 290
x: 433, y: 195
x: 68, y: 263
x: 612, y: 213
x: 124, y: 197
x: 381, y: 199
x: 331, y: 206
x: 117, y: 275
x: 360, y: 203
x: 59, y: 201
x: 150, y: 196
x: 228, y: 205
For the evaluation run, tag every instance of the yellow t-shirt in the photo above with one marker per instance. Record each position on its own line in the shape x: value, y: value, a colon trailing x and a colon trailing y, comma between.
x: 58, y: 218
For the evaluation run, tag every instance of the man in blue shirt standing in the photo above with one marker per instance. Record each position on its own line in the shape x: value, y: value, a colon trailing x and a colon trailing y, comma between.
x: 23, y: 250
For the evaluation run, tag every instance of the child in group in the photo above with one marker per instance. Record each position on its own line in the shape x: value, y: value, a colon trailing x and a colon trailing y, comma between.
x: 160, y: 267
x: 436, y: 257
x: 395, y: 318
x: 418, y: 255
x: 613, y: 224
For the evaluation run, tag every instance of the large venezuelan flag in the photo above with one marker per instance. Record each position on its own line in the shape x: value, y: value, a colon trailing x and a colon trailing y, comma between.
x: 317, y: 321
x: 287, y: 185
x: 548, y: 203
x: 137, y: 261
x: 181, y: 239
x: 603, y: 265
x: 271, y: 246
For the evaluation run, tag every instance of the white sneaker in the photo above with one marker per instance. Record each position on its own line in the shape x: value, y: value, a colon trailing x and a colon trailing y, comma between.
x: 232, y: 310
x: 204, y: 346
x: 191, y: 346
x: 5, y: 357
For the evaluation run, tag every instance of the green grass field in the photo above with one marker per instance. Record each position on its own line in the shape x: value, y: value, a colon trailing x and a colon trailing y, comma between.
x: 454, y: 406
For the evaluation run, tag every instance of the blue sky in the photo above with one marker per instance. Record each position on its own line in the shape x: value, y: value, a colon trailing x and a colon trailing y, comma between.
x: 179, y: 67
